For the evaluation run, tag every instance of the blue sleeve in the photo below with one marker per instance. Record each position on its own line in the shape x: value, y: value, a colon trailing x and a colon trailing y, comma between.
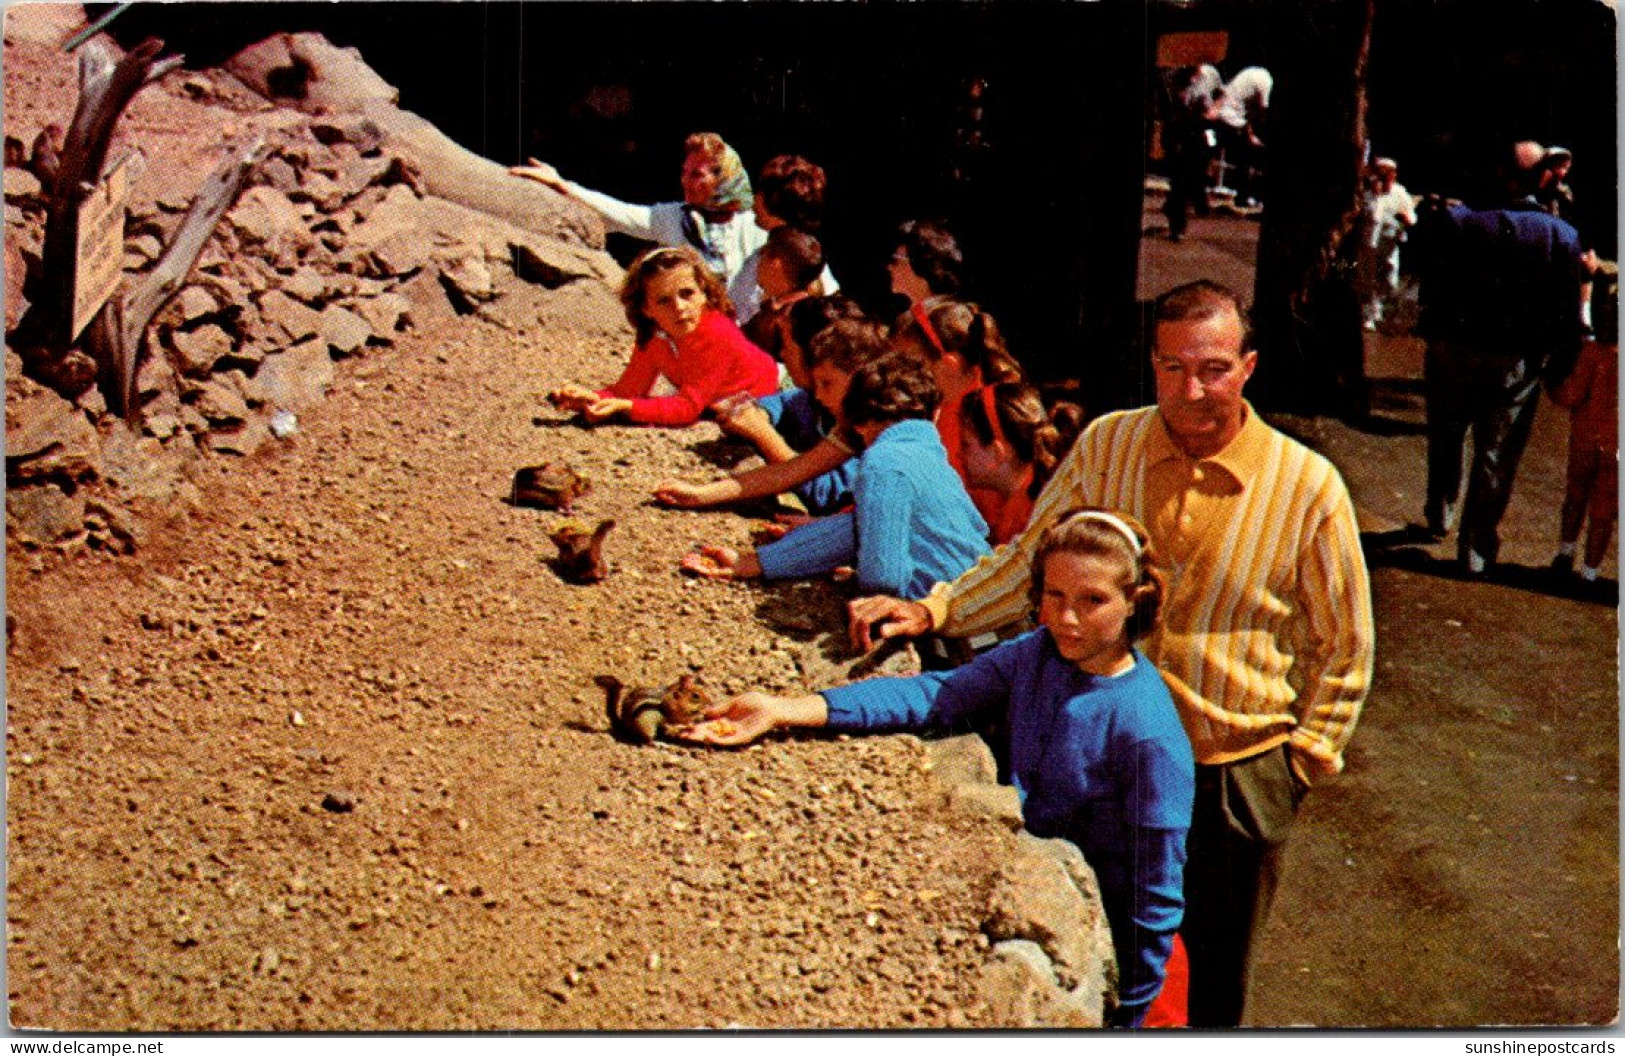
x: 816, y: 547
x: 773, y: 405
x: 829, y: 491
x: 1161, y: 796
x: 885, y: 514
x: 933, y: 700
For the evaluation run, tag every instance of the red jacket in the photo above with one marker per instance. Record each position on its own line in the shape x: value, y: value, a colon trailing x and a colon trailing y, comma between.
x: 1591, y: 391
x: 713, y: 362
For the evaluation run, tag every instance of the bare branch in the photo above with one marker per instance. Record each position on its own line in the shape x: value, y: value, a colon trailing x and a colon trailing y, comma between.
x: 216, y: 195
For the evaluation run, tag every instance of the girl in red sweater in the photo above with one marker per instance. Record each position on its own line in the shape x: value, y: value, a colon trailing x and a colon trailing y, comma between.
x: 685, y: 331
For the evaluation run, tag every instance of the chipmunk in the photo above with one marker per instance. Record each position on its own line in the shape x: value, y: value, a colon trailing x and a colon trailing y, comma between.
x: 553, y: 486
x: 641, y: 714
x: 581, y: 553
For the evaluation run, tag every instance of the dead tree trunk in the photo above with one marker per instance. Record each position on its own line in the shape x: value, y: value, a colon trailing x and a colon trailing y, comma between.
x: 115, y: 335
x: 106, y: 86
x: 1306, y: 312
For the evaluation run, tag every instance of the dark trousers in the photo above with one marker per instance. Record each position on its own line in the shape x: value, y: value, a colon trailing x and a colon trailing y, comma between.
x: 1187, y: 178
x: 1244, y: 811
x: 1495, y: 395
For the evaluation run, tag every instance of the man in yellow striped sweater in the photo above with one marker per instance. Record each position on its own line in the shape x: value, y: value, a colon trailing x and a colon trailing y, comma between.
x: 1266, y: 639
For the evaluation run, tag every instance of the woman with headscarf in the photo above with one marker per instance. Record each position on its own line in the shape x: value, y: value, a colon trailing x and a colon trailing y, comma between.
x: 715, y: 217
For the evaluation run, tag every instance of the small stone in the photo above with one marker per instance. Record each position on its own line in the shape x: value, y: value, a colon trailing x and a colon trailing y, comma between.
x: 338, y: 802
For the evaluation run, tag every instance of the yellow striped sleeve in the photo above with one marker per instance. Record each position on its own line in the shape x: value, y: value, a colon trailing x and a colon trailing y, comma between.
x: 994, y: 593
x: 1340, y: 649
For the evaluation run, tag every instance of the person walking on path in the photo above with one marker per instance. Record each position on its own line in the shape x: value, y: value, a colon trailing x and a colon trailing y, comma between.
x: 1500, y: 311
x: 1267, y: 638
x: 1386, y: 212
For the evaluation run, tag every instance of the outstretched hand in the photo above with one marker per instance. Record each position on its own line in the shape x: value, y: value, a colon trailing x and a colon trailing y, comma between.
x: 572, y: 397
x: 601, y: 410
x: 541, y: 172
x: 734, y: 723
x: 712, y: 562
x: 873, y: 619
x: 680, y: 493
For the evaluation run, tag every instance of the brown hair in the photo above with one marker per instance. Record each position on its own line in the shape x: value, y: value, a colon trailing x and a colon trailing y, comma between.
x: 894, y: 388
x: 933, y: 254
x: 966, y: 330
x: 1039, y: 438
x: 847, y: 344
x: 1089, y: 530
x: 800, y: 253
x: 635, y: 287
x: 792, y: 189
x: 1202, y: 299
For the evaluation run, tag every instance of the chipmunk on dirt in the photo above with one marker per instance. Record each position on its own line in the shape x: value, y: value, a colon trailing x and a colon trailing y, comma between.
x: 581, y: 553
x: 553, y: 486
x: 641, y: 713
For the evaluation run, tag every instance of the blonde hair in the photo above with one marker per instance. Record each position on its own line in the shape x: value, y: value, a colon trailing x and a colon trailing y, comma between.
x: 1097, y: 532
x: 635, y: 287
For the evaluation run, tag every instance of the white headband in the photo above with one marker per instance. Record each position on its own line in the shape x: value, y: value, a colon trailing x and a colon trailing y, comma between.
x: 1115, y: 522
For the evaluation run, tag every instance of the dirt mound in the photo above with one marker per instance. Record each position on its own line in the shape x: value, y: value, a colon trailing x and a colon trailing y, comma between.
x: 303, y: 731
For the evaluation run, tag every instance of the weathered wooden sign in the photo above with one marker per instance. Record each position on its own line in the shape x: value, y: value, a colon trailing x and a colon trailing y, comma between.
x: 99, y: 261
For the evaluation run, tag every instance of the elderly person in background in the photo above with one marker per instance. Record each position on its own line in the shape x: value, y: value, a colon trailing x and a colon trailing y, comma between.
x: 714, y: 219
x: 1500, y: 310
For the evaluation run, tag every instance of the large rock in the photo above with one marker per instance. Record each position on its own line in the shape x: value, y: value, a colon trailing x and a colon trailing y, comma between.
x: 243, y: 438
x: 45, y: 514
x: 193, y: 303
x: 48, y: 437
x: 48, y: 24
x: 468, y: 281
x: 1018, y: 984
x: 430, y: 221
x: 296, y: 378
x: 304, y: 70
x: 1047, y: 893
x: 22, y: 187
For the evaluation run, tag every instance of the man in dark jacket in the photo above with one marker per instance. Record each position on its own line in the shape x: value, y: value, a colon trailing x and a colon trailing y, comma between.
x: 1500, y: 311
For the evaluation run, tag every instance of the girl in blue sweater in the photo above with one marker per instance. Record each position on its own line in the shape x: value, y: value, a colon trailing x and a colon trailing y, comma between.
x: 1097, y: 752
x: 913, y: 525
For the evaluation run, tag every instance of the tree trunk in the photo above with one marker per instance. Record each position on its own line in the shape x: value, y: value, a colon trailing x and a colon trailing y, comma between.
x: 1306, y: 312
x: 107, y: 83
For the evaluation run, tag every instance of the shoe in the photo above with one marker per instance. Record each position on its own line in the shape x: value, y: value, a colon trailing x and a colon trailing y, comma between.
x: 1474, y: 564
x: 1370, y: 325
x: 1441, y: 519
x: 1563, y: 564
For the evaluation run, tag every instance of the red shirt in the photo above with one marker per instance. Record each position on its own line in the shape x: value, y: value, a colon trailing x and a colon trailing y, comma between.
x: 713, y: 362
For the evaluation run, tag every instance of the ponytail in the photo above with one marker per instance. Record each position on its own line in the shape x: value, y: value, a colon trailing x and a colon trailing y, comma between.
x: 966, y: 330
x: 1039, y: 438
